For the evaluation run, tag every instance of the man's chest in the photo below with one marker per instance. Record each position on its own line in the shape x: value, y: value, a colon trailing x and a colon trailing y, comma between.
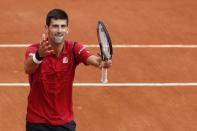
x: 57, y: 64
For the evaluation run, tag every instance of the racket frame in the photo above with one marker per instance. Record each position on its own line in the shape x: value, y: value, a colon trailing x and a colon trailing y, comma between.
x: 103, y: 56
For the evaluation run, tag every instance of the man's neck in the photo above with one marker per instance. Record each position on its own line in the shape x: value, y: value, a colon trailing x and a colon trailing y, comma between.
x: 58, y: 48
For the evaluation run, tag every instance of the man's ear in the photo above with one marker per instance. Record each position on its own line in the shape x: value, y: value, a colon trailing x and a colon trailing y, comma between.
x: 67, y: 30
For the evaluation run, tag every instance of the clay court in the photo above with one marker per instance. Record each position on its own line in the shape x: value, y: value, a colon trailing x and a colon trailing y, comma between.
x: 152, y: 83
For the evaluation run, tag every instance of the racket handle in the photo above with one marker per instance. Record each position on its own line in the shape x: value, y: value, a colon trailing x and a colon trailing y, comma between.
x: 104, y: 75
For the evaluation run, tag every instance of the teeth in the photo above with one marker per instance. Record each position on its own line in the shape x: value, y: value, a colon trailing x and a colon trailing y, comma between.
x: 59, y: 36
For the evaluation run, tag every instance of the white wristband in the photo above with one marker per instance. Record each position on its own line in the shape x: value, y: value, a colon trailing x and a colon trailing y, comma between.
x: 35, y: 60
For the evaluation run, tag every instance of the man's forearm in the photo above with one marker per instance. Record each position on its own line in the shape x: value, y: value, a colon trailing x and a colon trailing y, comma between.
x: 30, y: 66
x: 94, y: 60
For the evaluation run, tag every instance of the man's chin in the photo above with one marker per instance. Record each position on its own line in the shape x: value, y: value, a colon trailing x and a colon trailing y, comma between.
x: 58, y: 41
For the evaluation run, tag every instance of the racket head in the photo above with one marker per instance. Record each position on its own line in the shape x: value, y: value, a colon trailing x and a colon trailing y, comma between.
x: 104, y: 40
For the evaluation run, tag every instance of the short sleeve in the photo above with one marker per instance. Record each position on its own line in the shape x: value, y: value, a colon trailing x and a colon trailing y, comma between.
x: 82, y: 53
x: 31, y: 50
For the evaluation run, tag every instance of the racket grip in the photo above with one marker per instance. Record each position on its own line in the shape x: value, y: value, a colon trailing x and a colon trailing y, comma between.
x: 104, y: 75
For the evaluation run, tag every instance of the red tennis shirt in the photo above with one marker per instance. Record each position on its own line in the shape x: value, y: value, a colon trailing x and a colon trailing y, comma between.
x: 50, y: 97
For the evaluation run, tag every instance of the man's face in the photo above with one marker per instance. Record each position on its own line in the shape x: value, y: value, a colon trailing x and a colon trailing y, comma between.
x: 57, y: 31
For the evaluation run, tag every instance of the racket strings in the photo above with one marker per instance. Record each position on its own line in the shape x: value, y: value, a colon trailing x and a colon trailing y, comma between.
x: 105, y: 45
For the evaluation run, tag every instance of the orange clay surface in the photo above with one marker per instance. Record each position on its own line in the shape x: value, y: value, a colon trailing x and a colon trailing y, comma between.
x: 129, y: 22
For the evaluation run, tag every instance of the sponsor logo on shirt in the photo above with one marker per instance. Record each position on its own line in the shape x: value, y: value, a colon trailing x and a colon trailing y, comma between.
x: 65, y: 60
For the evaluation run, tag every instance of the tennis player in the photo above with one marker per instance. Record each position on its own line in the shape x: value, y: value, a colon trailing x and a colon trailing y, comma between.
x: 51, y: 66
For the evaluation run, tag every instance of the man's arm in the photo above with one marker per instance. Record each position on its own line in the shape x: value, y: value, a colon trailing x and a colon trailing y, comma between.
x: 30, y: 66
x: 33, y: 61
x: 96, y: 61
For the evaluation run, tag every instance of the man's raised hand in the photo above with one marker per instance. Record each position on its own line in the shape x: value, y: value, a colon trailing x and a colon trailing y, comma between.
x: 45, y: 48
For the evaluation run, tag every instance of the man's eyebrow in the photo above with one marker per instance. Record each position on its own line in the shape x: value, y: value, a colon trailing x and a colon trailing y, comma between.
x: 58, y: 24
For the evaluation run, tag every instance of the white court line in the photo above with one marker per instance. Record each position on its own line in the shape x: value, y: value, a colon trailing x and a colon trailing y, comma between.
x: 115, y: 46
x: 113, y: 84
x: 110, y: 84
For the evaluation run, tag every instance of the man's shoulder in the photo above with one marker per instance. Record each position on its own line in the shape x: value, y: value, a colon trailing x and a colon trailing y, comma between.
x: 69, y: 42
x: 78, y: 47
x: 34, y: 45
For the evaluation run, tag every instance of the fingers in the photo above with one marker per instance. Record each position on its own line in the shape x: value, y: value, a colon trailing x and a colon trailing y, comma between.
x: 43, y: 36
x: 48, y: 49
x: 45, y: 48
x: 99, y: 54
x: 43, y: 39
x: 106, y: 64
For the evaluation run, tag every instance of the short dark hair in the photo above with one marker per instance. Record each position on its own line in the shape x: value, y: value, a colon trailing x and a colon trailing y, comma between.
x: 56, y: 14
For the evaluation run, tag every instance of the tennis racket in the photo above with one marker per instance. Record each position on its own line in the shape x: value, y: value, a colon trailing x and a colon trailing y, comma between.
x: 105, y: 45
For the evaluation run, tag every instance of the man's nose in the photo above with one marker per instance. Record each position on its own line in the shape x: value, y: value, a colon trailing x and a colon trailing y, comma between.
x: 59, y: 29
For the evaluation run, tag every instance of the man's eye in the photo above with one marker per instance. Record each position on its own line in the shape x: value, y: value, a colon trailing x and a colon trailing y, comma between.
x: 55, y: 26
x: 63, y: 26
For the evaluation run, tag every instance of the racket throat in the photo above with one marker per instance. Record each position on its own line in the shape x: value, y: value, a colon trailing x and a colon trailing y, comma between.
x: 104, y: 74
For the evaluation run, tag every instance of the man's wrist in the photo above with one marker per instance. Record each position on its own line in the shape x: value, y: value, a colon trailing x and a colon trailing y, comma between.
x: 36, y: 58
